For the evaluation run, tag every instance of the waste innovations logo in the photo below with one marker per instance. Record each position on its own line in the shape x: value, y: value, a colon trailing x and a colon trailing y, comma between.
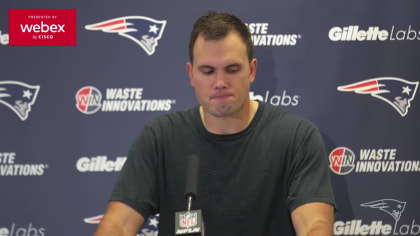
x: 16, y: 230
x: 100, y: 164
x: 342, y: 160
x: 276, y: 100
x: 42, y: 27
x: 261, y: 37
x: 393, y: 208
x: 397, y: 92
x: 150, y: 228
x: 143, y: 30
x: 89, y: 101
x: 382, y: 160
x: 4, y: 38
x: 18, y: 96
x: 8, y: 167
x: 373, y: 33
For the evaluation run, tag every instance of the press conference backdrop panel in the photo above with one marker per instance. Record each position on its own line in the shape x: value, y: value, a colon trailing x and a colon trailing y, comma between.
x: 351, y: 67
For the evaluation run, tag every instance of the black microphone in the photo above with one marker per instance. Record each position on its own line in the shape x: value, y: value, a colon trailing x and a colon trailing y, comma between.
x: 190, y: 222
x: 191, y: 179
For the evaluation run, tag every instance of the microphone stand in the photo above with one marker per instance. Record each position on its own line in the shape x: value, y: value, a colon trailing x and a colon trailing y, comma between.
x: 189, y: 202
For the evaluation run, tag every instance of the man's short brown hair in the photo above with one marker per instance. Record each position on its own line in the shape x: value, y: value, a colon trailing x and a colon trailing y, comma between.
x: 216, y: 25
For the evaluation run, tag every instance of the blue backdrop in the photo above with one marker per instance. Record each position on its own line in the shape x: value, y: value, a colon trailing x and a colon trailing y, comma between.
x: 352, y: 67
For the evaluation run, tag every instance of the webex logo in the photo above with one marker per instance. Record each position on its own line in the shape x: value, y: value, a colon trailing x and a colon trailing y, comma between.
x: 42, y: 27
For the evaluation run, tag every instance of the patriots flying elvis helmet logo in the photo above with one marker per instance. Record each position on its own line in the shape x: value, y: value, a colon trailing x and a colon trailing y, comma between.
x: 142, y: 30
x: 396, y: 92
x: 391, y: 206
x: 18, y: 96
x: 149, y: 228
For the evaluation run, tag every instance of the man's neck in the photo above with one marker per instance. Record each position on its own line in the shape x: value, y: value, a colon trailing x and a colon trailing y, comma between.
x: 232, y: 124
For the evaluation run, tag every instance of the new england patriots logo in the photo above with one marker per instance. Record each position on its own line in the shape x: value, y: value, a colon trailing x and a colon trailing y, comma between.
x: 391, y: 206
x: 143, y: 30
x: 149, y: 228
x: 18, y: 96
x: 395, y: 91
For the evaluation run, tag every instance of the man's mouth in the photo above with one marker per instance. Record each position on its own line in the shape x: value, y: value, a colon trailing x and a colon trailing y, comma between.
x: 220, y: 96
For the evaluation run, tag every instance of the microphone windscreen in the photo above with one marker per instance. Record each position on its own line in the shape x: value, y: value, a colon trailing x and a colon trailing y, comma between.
x: 191, y: 178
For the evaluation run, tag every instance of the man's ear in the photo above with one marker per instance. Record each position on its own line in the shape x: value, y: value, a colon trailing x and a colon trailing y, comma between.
x: 189, y: 71
x: 252, y: 70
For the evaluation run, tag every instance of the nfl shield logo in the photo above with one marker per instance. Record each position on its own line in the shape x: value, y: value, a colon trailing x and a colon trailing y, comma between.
x: 188, y: 219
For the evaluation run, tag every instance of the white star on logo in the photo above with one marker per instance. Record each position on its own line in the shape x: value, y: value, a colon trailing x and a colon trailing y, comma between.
x: 153, y: 28
x: 406, y: 90
x: 153, y: 222
x: 27, y: 94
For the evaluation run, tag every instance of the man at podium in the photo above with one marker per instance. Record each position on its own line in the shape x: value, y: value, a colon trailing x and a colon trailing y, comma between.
x: 263, y: 171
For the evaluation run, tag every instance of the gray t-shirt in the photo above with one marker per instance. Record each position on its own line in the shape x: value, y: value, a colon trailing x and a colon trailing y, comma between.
x: 249, y: 182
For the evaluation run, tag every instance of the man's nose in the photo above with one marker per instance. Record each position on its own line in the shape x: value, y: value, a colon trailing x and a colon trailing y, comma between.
x: 221, y: 80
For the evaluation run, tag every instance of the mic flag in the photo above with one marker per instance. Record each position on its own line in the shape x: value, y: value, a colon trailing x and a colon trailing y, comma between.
x: 189, y: 223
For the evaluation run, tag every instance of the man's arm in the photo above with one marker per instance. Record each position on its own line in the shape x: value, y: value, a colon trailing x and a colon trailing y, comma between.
x: 120, y: 219
x: 314, y: 218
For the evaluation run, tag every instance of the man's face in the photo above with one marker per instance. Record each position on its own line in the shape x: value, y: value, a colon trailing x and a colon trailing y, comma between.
x: 221, y: 75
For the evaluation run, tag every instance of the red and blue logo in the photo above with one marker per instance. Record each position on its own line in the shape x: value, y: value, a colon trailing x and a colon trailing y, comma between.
x: 142, y: 30
x: 395, y: 91
x: 42, y: 27
x: 342, y: 160
x: 88, y: 100
x: 150, y: 227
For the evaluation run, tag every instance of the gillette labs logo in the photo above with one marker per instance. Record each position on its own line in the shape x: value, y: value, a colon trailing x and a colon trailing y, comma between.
x: 4, y: 38
x: 276, y: 100
x: 100, y: 164
x: 373, y: 33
